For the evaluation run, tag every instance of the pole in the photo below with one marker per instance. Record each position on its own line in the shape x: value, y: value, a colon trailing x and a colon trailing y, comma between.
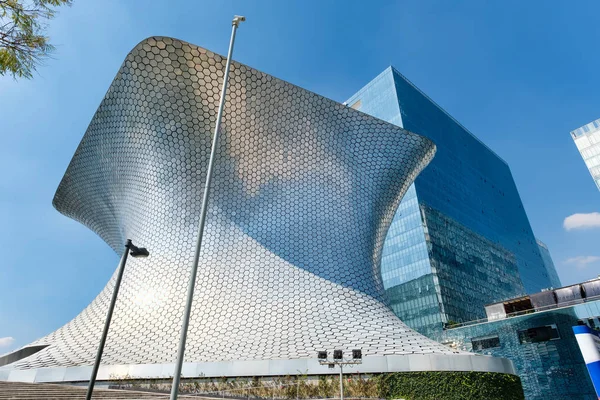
x: 111, y: 307
x: 341, y: 382
x: 190, y: 291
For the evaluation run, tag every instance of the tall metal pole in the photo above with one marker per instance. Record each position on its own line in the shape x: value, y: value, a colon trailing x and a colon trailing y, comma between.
x: 111, y: 307
x: 190, y: 292
x: 341, y: 382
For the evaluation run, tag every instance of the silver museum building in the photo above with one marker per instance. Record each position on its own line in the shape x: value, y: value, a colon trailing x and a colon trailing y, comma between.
x: 305, y: 190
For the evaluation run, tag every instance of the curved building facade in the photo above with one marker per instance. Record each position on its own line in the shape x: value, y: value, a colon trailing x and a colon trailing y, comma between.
x: 304, y: 192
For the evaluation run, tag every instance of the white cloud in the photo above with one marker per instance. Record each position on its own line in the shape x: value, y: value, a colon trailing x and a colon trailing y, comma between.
x: 6, y: 341
x: 582, y: 221
x: 582, y: 262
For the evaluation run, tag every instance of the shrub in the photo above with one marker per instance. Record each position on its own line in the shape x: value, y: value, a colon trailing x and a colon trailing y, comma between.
x: 450, y: 386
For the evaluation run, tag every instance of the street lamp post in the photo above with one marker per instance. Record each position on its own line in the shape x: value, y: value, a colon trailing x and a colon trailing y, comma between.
x: 135, y: 252
x: 190, y: 291
x: 338, y: 359
x: 341, y: 381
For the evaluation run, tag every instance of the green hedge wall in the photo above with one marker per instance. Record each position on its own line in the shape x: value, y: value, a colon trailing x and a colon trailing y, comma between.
x: 397, y: 385
x: 450, y: 386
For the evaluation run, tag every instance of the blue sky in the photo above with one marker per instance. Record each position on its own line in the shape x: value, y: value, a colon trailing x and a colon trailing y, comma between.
x: 519, y: 74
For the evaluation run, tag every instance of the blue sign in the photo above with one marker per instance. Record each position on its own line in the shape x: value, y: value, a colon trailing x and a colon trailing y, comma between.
x: 589, y: 344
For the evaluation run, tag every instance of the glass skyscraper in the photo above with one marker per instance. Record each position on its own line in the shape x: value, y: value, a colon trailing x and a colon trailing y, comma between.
x: 549, y: 264
x: 587, y: 140
x: 552, y: 368
x: 460, y: 238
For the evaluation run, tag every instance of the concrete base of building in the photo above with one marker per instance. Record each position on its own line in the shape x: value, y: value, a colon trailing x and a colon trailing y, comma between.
x: 370, y: 365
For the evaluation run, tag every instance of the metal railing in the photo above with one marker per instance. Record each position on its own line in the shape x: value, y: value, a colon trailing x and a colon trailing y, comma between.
x: 244, y: 392
x: 264, y: 391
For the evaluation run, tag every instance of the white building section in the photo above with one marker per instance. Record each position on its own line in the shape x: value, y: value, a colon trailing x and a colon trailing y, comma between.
x: 587, y: 140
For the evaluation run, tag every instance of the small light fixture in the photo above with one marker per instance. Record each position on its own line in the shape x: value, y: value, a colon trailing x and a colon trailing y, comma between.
x: 338, y: 355
x: 138, y: 252
x: 322, y: 355
x: 357, y: 354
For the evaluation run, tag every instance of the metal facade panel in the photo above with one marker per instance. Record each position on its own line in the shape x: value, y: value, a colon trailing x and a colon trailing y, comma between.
x: 304, y: 191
